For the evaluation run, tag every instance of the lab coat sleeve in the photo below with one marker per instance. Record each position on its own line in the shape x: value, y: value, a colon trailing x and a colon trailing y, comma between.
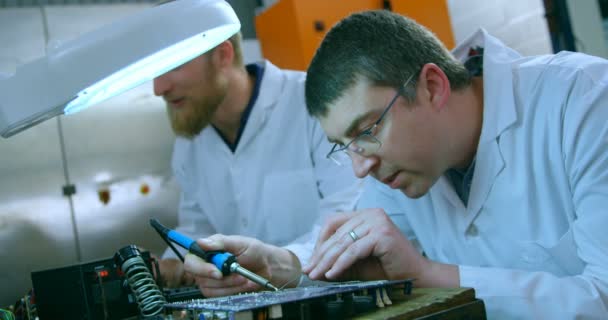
x: 191, y: 219
x: 542, y: 295
x: 338, y: 187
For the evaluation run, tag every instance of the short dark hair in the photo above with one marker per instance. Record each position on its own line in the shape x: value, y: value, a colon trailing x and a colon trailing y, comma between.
x: 379, y: 46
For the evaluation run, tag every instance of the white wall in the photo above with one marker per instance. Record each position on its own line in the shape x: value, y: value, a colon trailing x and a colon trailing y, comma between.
x: 519, y: 23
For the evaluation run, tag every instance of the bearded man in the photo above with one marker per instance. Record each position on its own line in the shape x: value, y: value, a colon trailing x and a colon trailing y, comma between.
x: 248, y: 158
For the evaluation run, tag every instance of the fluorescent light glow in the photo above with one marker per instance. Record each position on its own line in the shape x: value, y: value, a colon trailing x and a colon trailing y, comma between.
x: 150, y: 67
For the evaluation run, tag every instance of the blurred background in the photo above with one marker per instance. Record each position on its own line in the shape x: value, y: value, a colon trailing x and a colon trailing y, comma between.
x: 77, y: 188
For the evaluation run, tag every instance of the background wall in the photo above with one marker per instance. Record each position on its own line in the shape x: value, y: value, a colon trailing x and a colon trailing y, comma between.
x: 519, y: 23
x: 587, y: 27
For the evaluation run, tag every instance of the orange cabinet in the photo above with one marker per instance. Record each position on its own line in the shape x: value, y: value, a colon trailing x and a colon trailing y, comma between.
x: 290, y: 30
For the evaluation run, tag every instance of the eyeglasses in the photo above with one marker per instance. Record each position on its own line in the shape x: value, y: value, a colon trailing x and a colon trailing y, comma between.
x: 365, y: 143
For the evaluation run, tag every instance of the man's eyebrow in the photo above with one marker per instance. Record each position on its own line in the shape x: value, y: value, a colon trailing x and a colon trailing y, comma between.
x: 356, y: 123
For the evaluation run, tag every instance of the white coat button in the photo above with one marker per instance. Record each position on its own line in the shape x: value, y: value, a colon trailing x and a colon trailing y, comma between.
x: 472, y: 231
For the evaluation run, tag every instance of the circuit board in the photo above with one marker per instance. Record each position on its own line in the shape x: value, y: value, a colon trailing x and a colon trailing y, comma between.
x: 296, y: 303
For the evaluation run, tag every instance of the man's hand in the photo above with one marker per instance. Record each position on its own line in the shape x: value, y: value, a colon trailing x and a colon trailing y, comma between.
x: 366, y: 245
x: 172, y: 273
x: 276, y: 264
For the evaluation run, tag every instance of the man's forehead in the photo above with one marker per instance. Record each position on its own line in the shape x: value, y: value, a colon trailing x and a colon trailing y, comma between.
x: 350, y: 105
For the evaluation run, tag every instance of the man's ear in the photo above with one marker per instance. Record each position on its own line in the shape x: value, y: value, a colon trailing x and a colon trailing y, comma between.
x: 223, y: 54
x: 435, y: 85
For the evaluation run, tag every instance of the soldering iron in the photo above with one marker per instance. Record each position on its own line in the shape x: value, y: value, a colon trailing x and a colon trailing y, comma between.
x: 224, y: 261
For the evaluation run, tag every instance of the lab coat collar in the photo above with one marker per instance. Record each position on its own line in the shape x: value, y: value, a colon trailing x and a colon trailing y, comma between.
x: 273, y: 80
x: 499, y: 101
x: 499, y: 114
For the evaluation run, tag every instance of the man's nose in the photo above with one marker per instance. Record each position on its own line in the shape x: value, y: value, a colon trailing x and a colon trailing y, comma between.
x: 162, y: 85
x: 362, y: 166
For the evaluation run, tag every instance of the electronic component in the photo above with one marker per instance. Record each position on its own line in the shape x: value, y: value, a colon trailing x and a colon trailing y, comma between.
x: 334, y: 301
x: 6, y: 315
x: 100, y: 290
x: 93, y: 290
x: 149, y: 297
x: 182, y: 293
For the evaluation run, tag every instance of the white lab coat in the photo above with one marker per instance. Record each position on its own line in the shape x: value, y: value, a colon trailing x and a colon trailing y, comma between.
x: 533, y: 241
x: 276, y: 184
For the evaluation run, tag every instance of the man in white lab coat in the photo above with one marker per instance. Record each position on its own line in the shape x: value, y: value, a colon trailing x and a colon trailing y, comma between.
x: 248, y: 158
x: 502, y: 160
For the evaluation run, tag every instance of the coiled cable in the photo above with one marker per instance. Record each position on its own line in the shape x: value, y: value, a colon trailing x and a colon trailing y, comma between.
x: 6, y: 315
x: 149, y: 297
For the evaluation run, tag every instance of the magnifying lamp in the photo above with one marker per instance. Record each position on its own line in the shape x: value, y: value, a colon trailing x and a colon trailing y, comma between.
x: 108, y: 61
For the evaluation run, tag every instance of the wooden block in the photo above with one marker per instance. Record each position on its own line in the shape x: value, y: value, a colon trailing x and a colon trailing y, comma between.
x: 431, y: 303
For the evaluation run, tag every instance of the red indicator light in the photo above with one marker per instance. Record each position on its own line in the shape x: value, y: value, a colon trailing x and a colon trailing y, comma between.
x: 103, y: 273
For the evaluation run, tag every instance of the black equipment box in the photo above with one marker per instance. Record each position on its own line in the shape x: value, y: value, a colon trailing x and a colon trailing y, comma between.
x: 93, y: 291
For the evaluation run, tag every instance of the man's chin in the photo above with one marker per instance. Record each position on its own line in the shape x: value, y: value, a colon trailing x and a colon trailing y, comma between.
x: 185, y: 132
x: 187, y: 129
x: 185, y: 135
x: 413, y: 191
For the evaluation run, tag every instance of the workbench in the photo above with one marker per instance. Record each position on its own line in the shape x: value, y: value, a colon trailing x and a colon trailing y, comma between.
x: 431, y: 303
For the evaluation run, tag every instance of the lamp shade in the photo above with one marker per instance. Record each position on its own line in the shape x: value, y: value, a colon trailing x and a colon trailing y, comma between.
x: 115, y: 58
